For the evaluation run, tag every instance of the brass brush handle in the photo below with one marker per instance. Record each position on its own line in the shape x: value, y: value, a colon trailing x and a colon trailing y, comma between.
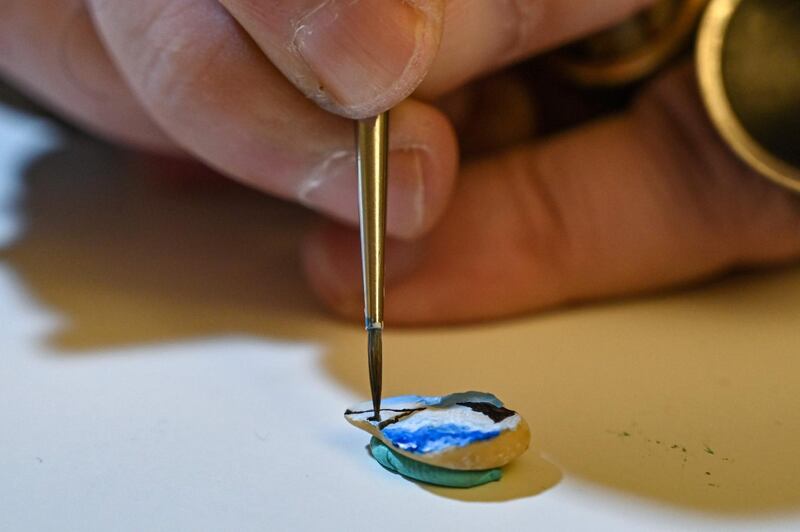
x: 372, y: 146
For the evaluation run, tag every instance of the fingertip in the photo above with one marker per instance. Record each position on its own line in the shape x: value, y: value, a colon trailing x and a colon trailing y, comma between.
x: 427, y: 133
x: 330, y: 257
x: 355, y: 58
x: 332, y: 263
x: 370, y: 56
x: 423, y: 162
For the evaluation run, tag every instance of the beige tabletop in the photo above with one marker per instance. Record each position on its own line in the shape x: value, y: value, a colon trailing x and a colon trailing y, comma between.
x: 688, y: 399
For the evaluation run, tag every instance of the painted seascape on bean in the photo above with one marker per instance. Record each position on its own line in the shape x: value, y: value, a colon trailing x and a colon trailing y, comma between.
x: 432, y: 424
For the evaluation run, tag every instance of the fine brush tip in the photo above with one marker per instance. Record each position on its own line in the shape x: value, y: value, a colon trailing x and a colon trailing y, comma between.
x: 375, y: 353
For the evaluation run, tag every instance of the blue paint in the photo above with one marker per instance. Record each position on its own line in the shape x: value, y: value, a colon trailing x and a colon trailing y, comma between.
x: 435, y: 438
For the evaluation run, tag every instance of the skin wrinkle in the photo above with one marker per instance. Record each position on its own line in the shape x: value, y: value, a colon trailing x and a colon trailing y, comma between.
x: 751, y: 201
x: 68, y: 62
x: 692, y: 162
x: 159, y: 80
x: 303, y: 77
x: 710, y: 174
x: 670, y: 183
x: 547, y: 236
x: 419, y: 197
x: 670, y: 149
x: 163, y: 81
x: 524, y: 24
x: 7, y: 40
x: 418, y: 202
x: 158, y: 66
x: 160, y: 60
x: 320, y: 174
x: 403, y: 86
x: 656, y: 191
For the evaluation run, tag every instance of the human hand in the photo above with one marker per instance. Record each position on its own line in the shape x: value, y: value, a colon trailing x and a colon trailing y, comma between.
x: 232, y: 82
x: 645, y: 200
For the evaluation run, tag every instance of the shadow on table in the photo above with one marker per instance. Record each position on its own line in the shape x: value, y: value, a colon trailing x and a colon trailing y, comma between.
x: 689, y: 399
x: 528, y: 476
x: 134, y: 249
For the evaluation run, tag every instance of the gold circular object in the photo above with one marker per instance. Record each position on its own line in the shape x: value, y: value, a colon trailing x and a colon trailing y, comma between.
x: 748, y: 64
x: 634, y: 49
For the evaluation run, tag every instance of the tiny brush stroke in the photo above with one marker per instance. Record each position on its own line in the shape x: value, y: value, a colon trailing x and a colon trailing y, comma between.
x: 496, y: 413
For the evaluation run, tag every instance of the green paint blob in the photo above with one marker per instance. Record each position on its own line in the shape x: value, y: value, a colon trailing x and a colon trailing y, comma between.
x: 427, y: 473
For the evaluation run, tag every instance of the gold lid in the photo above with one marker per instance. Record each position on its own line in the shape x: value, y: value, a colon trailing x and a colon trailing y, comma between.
x: 771, y: 91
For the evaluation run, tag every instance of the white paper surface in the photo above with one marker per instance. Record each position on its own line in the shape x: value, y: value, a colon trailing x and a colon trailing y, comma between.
x: 162, y: 367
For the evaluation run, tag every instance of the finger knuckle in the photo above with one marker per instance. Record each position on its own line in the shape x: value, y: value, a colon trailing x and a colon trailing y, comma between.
x: 544, y: 236
x: 177, y: 66
x: 525, y: 17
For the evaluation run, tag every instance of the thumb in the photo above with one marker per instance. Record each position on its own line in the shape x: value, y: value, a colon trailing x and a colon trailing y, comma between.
x: 353, y: 57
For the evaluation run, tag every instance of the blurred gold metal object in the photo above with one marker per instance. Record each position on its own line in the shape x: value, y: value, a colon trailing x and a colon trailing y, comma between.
x: 633, y: 49
x: 372, y: 143
x: 748, y: 64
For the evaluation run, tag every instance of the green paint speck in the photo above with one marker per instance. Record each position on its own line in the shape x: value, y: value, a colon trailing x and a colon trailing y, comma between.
x: 709, y: 450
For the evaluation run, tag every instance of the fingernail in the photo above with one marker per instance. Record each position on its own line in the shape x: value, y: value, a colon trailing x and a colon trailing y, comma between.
x: 358, y: 49
x: 332, y: 189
